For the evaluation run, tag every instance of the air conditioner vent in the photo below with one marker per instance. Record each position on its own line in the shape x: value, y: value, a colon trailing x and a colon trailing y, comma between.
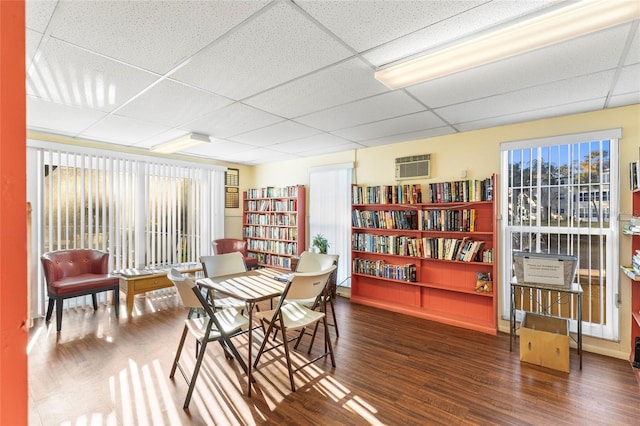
x: 415, y: 166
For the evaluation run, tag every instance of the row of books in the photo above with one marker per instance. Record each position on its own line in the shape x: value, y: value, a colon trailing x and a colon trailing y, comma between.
x: 442, y: 192
x: 380, y: 268
x: 387, y: 194
x: 276, y: 247
x: 463, y: 250
x: 272, y: 192
x: 271, y: 205
x: 280, y: 233
x: 461, y: 191
x: 427, y: 220
x: 390, y: 219
x: 281, y: 262
x: 284, y: 219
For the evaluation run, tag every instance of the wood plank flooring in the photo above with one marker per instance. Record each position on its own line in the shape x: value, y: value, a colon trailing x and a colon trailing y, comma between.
x: 391, y: 369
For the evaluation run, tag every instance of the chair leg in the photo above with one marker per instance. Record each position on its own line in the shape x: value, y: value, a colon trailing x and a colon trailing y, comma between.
x: 94, y: 299
x: 327, y: 340
x: 180, y: 345
x: 52, y: 302
x: 196, y: 371
x: 333, y: 313
x: 287, y: 356
x: 59, y: 305
x: 116, y: 300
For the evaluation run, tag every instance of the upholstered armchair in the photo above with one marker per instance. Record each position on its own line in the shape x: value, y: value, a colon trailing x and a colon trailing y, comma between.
x: 229, y: 245
x: 78, y: 272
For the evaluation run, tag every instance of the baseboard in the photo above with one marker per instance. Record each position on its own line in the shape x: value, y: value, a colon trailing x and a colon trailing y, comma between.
x: 344, y: 292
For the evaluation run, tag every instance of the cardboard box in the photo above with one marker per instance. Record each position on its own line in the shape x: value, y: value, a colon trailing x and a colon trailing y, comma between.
x: 545, y: 341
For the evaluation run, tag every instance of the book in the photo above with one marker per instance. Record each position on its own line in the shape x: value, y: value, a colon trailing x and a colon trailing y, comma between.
x: 283, y: 277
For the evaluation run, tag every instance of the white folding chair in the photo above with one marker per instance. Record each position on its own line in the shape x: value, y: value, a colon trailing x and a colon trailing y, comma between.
x: 209, y: 327
x: 289, y: 316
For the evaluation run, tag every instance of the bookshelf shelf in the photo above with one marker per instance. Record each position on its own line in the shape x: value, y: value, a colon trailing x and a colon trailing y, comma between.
x: 440, y: 235
x: 273, y: 224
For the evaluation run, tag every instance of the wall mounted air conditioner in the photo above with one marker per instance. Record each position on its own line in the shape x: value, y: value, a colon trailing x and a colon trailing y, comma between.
x: 415, y: 166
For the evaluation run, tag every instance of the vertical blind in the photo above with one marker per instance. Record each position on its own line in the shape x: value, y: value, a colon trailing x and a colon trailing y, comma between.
x: 142, y: 212
x: 330, y: 213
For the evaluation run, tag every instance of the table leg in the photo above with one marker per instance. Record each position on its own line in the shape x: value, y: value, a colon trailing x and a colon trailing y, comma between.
x: 580, y: 328
x: 512, y: 315
x: 250, y: 307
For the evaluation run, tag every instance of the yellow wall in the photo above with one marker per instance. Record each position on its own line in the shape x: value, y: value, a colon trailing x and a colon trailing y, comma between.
x: 477, y: 153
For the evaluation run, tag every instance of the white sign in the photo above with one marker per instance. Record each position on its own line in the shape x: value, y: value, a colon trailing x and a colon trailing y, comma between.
x: 543, y: 271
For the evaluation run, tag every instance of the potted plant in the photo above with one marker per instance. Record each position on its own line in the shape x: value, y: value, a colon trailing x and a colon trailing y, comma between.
x: 320, y: 243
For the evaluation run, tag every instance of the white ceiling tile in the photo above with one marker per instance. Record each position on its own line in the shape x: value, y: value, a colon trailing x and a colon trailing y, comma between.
x: 274, y: 47
x: 258, y: 156
x: 456, y: 27
x: 624, y: 100
x: 154, y: 35
x: 171, y: 103
x: 408, y: 123
x: 38, y: 14
x: 276, y: 133
x: 593, y: 53
x: 122, y: 130
x: 46, y: 115
x: 381, y: 107
x: 548, y: 95
x: 553, y: 111
x: 72, y: 76
x: 311, y: 143
x: 633, y: 57
x: 232, y: 120
x: 343, y: 82
x: 365, y: 24
x: 410, y: 136
x: 322, y: 150
x: 628, y: 81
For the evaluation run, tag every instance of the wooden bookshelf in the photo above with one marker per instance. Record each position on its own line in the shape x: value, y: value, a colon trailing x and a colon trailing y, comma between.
x: 417, y: 250
x: 273, y: 224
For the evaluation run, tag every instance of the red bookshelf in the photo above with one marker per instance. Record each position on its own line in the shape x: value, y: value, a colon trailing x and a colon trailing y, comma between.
x: 407, y: 246
x: 273, y: 224
x: 635, y: 285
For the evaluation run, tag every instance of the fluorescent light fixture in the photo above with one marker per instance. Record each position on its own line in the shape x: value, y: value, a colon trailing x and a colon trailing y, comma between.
x: 183, y: 143
x: 562, y: 24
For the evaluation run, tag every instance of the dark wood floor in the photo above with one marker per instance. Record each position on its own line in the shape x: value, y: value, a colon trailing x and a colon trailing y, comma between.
x: 391, y: 369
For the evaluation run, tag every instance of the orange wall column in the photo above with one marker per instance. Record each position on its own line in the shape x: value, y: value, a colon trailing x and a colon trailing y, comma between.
x: 13, y: 222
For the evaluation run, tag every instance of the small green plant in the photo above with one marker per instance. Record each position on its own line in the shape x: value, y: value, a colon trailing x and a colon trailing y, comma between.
x: 321, y: 243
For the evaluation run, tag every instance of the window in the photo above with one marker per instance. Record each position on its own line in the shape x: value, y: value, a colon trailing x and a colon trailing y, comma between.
x: 142, y: 212
x: 330, y: 213
x: 558, y: 199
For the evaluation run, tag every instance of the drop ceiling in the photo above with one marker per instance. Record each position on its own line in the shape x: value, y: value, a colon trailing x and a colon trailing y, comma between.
x: 278, y: 80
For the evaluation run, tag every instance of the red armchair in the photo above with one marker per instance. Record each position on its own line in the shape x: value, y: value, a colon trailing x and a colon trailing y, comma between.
x: 79, y: 272
x: 229, y: 245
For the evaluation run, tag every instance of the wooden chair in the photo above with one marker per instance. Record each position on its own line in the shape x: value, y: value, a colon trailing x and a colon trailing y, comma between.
x: 77, y: 272
x: 230, y: 245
